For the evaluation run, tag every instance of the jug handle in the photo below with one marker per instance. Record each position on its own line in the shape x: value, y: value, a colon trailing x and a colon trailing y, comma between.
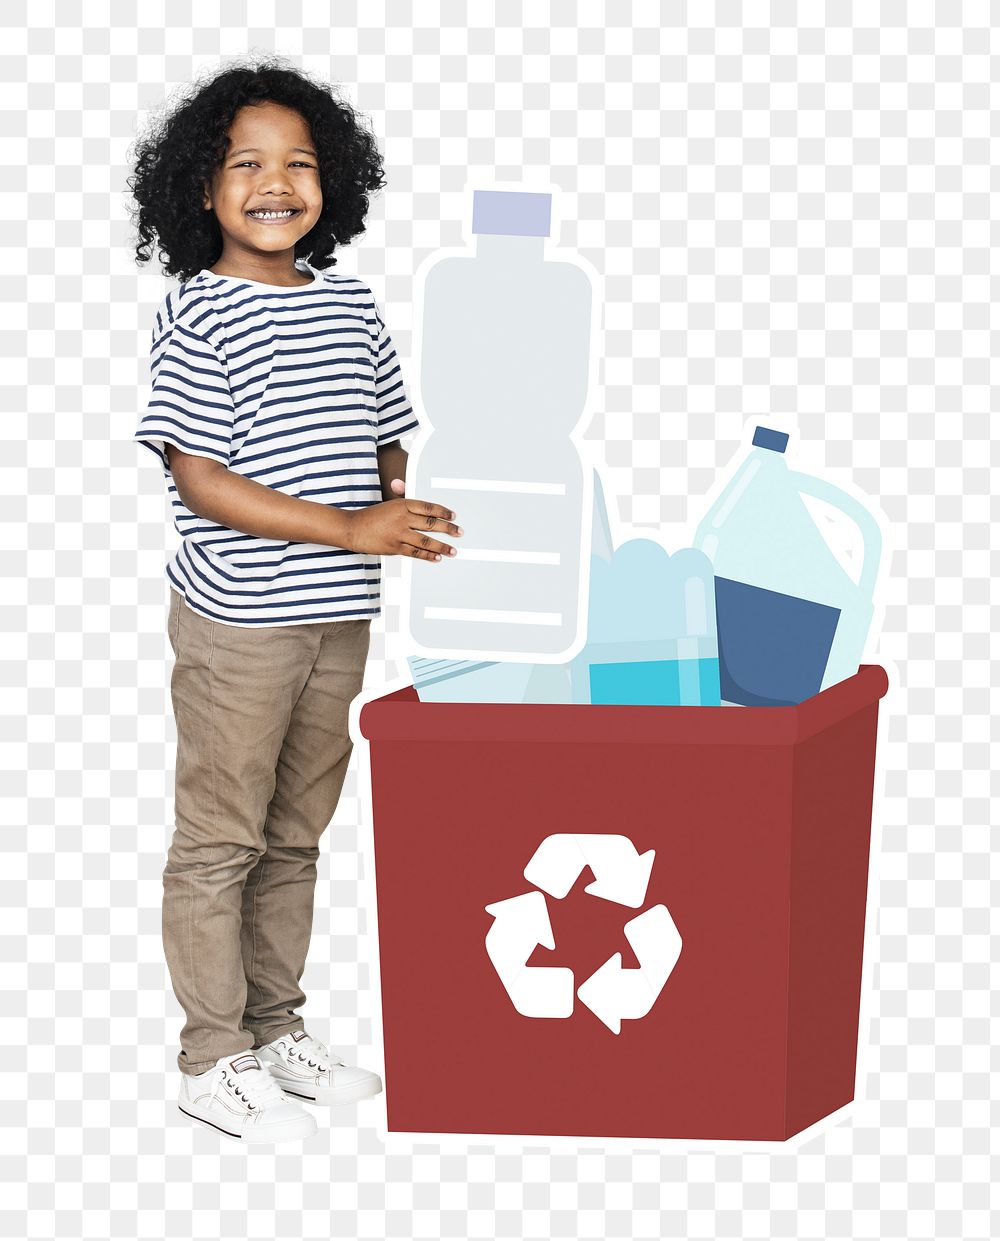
x: 871, y: 535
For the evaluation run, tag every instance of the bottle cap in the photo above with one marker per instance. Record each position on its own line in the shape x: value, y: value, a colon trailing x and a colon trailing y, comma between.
x: 513, y: 213
x: 764, y: 437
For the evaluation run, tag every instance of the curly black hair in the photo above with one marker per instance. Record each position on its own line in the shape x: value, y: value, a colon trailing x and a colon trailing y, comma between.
x: 187, y: 144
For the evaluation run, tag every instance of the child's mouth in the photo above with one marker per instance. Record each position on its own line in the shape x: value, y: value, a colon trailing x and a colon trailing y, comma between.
x: 277, y: 218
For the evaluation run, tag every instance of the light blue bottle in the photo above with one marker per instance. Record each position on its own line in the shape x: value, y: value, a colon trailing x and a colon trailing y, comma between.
x: 651, y: 637
x: 791, y: 621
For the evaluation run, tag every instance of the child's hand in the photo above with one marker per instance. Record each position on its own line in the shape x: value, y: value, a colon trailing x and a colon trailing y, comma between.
x: 396, y: 527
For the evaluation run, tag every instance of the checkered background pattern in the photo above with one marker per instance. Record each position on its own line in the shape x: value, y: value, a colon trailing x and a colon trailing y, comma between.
x: 790, y: 205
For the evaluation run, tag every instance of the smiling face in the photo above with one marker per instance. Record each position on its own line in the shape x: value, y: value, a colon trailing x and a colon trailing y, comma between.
x: 270, y: 165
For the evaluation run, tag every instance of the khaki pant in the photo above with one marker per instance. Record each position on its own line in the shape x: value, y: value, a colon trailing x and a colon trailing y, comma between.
x: 262, y: 752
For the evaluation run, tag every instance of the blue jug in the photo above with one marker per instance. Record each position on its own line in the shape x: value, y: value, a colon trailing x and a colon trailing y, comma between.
x: 791, y: 621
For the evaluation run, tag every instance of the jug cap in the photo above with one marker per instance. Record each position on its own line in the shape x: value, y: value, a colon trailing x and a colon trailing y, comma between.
x: 764, y: 437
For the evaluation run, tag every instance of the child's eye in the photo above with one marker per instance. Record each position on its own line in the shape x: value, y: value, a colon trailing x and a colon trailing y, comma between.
x: 245, y: 162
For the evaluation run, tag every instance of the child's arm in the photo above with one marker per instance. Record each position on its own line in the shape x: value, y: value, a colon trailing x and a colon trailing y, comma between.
x: 391, y: 464
x: 218, y: 494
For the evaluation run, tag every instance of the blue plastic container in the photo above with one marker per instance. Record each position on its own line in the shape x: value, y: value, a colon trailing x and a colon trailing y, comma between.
x: 791, y: 620
x: 651, y: 637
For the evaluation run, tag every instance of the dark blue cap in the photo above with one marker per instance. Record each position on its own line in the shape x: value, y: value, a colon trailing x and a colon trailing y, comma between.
x: 764, y: 437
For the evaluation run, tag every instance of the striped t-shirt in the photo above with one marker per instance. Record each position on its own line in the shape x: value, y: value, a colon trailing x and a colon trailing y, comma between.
x: 294, y: 388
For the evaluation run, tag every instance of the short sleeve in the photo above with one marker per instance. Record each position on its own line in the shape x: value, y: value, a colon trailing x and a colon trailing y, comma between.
x: 395, y: 414
x: 190, y: 405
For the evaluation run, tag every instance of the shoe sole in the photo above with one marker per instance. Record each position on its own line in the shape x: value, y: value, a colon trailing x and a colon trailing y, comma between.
x: 353, y: 1094
x: 294, y: 1131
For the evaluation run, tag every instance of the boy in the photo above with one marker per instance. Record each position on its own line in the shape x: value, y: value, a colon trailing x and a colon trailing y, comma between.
x: 276, y: 411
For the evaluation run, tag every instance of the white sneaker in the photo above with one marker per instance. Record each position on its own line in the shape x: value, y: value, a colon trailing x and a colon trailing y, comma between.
x: 306, y: 1068
x: 241, y: 1099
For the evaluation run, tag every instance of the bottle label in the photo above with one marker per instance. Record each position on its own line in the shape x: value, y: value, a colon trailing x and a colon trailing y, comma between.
x: 773, y: 648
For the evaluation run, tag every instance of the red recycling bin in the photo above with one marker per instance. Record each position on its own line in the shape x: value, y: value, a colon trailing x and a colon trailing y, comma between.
x: 730, y: 958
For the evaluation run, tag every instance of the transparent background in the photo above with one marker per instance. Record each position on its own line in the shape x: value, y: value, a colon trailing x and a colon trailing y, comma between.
x: 791, y: 206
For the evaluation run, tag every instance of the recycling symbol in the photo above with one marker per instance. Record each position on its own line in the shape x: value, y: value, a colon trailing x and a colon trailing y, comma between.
x: 613, y: 994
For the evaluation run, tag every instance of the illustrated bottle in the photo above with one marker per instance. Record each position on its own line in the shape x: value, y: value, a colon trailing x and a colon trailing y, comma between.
x: 651, y: 637
x: 504, y: 368
x: 791, y: 620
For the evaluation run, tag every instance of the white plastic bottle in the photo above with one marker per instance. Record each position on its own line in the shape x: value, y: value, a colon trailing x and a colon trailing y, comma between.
x: 504, y: 373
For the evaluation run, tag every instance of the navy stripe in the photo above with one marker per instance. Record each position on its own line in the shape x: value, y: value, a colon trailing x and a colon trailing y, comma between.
x: 202, y: 589
x: 295, y: 389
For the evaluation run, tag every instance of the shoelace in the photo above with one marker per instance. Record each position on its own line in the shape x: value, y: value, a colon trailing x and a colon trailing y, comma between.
x: 316, y: 1054
x: 254, y: 1086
